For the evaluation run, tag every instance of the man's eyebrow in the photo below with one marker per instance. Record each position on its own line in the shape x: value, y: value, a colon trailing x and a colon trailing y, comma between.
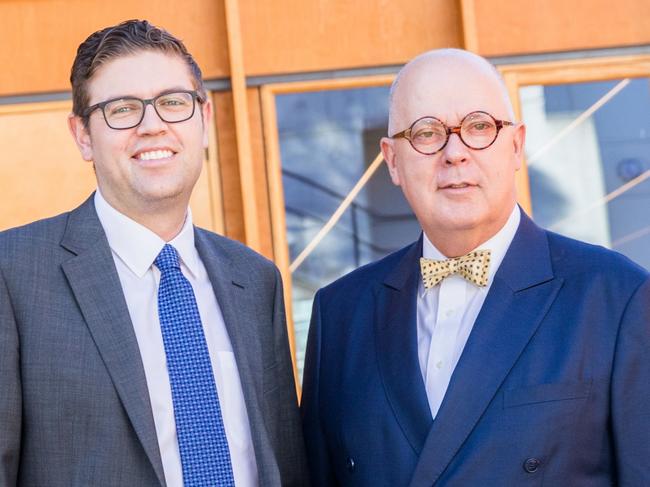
x: 166, y: 91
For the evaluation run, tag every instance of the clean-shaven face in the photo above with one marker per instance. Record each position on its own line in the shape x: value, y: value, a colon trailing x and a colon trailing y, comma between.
x: 155, y: 164
x: 457, y: 189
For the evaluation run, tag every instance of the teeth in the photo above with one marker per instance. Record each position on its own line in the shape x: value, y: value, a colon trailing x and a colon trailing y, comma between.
x: 459, y: 185
x: 154, y: 154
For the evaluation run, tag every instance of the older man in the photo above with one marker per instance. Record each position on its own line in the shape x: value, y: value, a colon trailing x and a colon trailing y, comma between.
x: 136, y: 349
x: 490, y: 352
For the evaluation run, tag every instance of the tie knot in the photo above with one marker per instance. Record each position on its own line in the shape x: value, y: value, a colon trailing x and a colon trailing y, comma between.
x: 167, y: 259
x: 474, y: 267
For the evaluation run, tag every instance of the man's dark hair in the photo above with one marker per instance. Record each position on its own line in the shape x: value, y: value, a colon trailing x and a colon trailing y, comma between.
x: 127, y: 38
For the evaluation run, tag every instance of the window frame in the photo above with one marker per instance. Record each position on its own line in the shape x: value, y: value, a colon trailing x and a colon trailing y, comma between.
x: 557, y: 72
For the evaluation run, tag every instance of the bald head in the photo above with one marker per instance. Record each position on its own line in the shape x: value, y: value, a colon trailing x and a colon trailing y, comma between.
x: 453, y: 77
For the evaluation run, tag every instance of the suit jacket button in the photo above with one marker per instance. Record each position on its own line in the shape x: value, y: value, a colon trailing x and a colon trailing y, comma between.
x: 350, y: 464
x: 531, y: 465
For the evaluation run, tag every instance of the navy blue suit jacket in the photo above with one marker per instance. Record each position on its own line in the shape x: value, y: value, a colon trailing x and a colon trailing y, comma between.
x: 552, y: 388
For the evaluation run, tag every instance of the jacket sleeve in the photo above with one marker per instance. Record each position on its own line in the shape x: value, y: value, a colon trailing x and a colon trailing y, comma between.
x: 320, y: 467
x: 293, y: 471
x: 630, y: 393
x: 10, y: 390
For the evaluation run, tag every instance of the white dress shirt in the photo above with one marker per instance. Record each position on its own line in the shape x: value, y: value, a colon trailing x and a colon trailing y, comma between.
x: 134, y: 249
x: 446, y: 314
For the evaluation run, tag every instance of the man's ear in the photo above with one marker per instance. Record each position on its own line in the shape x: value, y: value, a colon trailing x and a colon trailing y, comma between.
x: 206, y: 113
x: 388, y: 151
x: 518, y: 141
x: 81, y: 136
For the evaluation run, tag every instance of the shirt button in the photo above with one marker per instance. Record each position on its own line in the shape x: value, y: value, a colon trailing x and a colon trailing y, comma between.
x: 439, y: 364
x: 449, y: 313
x: 531, y: 465
x: 350, y: 464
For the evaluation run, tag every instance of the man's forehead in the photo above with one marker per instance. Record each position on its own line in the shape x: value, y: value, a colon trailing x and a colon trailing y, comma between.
x: 449, y: 87
x: 143, y: 74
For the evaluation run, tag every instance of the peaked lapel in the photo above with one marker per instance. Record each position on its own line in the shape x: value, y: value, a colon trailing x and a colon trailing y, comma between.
x: 522, y: 292
x: 396, y: 341
x: 95, y: 284
x: 242, y: 317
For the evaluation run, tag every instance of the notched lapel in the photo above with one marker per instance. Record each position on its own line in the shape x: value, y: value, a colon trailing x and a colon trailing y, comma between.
x: 397, y: 354
x: 522, y: 293
x: 95, y: 284
x: 238, y: 307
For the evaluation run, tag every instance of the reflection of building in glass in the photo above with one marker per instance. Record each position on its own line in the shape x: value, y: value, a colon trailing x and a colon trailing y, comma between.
x: 570, y: 181
x: 327, y: 140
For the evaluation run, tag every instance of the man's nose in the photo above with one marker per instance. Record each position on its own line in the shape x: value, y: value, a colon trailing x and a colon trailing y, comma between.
x: 455, y: 152
x: 151, y: 122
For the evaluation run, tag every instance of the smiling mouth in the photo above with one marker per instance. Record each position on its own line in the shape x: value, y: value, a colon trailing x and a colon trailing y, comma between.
x: 154, y: 155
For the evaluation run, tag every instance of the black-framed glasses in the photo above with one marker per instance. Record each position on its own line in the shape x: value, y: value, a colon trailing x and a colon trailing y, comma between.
x: 128, y: 111
x: 477, y: 130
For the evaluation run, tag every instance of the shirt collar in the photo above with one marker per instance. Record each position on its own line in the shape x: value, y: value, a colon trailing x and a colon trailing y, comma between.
x: 498, y: 244
x: 136, y: 245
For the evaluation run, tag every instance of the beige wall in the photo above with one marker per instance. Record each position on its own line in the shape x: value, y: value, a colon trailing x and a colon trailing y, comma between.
x: 40, y: 38
x: 535, y: 26
x: 43, y: 174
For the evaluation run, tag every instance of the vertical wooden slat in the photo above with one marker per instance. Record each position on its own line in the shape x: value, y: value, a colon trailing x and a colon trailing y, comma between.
x: 276, y: 201
x: 470, y: 30
x: 214, y: 178
x: 228, y: 167
x: 238, y: 83
x: 522, y: 180
x: 264, y: 223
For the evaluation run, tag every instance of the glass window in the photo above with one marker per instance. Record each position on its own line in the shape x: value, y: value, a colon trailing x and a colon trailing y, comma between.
x: 588, y: 147
x: 327, y: 141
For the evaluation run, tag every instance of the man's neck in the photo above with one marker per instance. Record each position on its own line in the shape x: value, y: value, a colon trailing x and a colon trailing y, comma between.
x: 456, y: 243
x: 164, y: 218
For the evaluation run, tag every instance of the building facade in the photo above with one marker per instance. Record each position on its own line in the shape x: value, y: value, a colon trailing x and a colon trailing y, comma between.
x: 300, y: 89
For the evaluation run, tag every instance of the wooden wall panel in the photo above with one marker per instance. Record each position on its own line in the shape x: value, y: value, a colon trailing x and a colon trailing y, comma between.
x: 229, y: 170
x: 43, y: 174
x: 285, y: 36
x: 228, y: 165
x: 41, y: 170
x: 40, y: 38
x: 534, y: 26
x: 260, y: 172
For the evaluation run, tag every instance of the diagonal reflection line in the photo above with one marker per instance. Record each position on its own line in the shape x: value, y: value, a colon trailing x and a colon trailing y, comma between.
x: 614, y: 194
x: 578, y: 120
x: 338, y: 213
x: 630, y: 237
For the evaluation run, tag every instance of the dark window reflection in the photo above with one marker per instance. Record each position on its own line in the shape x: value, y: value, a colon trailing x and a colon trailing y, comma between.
x: 610, y: 148
x: 327, y: 141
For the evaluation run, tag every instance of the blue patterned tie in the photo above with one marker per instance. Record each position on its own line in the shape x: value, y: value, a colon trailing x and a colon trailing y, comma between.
x: 201, y: 436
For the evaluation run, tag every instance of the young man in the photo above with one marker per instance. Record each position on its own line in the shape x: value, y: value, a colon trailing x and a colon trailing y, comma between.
x: 136, y: 349
x: 509, y: 355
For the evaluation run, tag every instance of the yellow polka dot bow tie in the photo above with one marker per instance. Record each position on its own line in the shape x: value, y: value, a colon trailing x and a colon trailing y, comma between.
x: 473, y: 267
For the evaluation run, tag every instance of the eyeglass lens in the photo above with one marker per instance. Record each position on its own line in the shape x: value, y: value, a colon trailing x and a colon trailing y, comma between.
x: 128, y: 112
x: 478, y: 130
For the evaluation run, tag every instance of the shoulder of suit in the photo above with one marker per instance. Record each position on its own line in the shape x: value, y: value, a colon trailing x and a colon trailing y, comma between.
x: 41, y: 233
x: 375, y: 271
x: 570, y: 257
x: 236, y: 251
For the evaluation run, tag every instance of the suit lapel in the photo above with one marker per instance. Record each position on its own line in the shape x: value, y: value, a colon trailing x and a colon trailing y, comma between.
x: 95, y: 283
x: 237, y: 307
x: 241, y: 316
x: 515, y: 306
x: 396, y: 340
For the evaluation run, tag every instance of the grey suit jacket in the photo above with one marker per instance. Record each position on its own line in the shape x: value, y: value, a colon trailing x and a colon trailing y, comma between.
x: 74, y: 405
